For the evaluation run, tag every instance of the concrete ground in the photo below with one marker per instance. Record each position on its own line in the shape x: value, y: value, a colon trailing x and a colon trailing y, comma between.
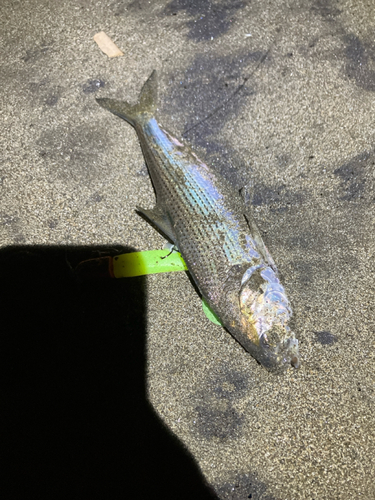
x: 278, y: 93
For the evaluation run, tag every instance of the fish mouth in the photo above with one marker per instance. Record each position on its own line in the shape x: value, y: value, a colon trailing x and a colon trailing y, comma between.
x: 276, y: 347
x: 279, y: 357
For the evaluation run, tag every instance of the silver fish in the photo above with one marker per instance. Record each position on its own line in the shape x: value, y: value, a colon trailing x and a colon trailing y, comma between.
x: 212, y: 226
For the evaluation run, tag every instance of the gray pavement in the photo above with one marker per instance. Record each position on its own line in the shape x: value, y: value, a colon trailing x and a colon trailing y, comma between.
x: 278, y: 93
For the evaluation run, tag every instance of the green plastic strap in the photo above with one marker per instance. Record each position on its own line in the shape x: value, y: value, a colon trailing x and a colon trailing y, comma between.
x: 132, y: 264
x: 209, y: 313
x: 147, y: 262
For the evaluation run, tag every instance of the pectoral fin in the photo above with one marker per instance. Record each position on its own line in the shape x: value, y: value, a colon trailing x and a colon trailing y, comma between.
x: 247, y: 193
x: 160, y: 220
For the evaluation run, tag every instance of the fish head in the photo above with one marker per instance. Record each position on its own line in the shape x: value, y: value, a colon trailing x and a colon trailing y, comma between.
x: 264, y: 314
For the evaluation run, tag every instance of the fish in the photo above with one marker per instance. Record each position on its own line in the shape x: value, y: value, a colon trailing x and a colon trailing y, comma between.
x: 212, y: 225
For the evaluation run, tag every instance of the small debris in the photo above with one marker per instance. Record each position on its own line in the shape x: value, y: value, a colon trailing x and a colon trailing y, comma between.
x: 92, y: 86
x: 106, y: 45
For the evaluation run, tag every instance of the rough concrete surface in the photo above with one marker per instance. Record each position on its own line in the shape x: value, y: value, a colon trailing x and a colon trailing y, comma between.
x: 277, y: 93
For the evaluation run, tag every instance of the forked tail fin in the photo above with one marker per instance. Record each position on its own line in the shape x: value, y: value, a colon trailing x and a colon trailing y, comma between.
x: 146, y: 104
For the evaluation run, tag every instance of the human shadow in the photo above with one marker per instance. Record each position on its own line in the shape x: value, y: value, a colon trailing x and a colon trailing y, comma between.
x: 77, y: 420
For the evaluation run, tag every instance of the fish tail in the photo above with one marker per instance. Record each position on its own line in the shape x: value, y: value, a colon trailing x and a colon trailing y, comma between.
x: 146, y: 104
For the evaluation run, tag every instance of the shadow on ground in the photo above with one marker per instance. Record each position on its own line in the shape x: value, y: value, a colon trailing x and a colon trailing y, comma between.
x: 77, y: 421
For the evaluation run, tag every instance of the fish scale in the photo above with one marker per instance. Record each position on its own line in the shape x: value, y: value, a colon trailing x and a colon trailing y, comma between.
x: 212, y: 226
x: 196, y: 199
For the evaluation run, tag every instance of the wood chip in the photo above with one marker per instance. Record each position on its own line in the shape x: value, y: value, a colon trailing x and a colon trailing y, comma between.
x: 106, y: 45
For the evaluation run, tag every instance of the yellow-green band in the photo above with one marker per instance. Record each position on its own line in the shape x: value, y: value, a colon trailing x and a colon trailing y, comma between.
x: 147, y: 262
